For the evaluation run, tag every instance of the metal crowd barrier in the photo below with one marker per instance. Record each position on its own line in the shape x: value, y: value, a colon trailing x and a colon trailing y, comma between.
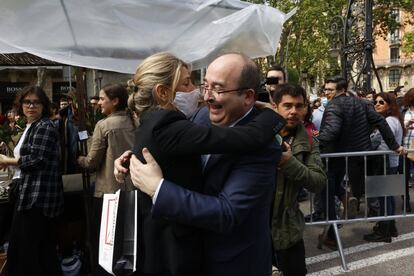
x: 375, y: 186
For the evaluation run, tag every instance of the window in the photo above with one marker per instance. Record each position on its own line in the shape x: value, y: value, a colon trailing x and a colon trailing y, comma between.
x: 395, y: 36
x: 395, y: 14
x: 394, y: 77
x: 394, y: 54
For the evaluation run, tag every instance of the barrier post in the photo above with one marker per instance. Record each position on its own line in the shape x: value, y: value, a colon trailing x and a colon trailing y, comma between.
x: 340, y: 248
x: 382, y: 186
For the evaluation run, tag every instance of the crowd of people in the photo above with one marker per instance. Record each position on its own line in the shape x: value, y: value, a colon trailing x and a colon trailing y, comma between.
x: 219, y: 174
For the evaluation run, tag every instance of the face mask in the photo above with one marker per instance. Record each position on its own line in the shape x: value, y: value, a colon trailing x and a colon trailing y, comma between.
x: 324, y: 101
x: 187, y: 102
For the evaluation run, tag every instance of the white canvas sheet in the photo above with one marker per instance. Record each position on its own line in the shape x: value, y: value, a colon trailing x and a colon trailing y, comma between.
x: 116, y: 35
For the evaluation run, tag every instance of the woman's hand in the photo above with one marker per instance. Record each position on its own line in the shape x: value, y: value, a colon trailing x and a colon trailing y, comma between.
x: 2, y: 162
x: 400, y: 151
x: 121, y: 165
x: 409, y: 123
x: 6, y: 161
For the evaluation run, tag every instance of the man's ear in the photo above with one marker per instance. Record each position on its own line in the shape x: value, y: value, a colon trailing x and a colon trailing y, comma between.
x: 250, y: 96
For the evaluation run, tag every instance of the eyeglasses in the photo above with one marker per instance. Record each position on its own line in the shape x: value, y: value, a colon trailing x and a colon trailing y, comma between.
x: 381, y: 102
x: 215, y: 92
x: 27, y: 103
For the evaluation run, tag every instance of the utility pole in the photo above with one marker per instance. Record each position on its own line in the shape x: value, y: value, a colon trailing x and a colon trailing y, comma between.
x: 368, y: 45
x: 81, y: 96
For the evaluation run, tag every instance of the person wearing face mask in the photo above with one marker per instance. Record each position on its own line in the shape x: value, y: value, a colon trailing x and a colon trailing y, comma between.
x: 317, y: 113
x: 187, y: 102
x: 168, y: 247
x: 187, y: 97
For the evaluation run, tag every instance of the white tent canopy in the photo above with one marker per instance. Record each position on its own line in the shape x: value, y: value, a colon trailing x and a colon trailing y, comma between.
x: 115, y: 35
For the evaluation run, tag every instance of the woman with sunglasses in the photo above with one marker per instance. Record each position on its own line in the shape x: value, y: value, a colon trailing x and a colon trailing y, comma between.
x: 386, y: 105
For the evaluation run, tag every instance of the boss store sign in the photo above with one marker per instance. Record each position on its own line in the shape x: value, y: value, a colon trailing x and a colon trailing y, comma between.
x: 9, y: 90
x: 60, y: 89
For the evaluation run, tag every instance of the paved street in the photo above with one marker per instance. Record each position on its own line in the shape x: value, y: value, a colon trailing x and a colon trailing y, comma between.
x: 363, y: 258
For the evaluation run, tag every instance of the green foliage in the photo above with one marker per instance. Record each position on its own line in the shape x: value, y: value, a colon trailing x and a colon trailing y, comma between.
x: 408, y: 42
x: 21, y: 123
x: 293, y: 76
x: 383, y: 19
x: 307, y: 37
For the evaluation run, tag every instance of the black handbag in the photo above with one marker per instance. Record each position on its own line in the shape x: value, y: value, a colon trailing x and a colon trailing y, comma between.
x: 124, y: 247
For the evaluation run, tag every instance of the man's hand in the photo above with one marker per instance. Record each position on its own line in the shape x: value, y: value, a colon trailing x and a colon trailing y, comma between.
x: 286, y: 155
x: 145, y: 177
x: 120, y: 171
x: 315, y: 133
x: 401, y: 151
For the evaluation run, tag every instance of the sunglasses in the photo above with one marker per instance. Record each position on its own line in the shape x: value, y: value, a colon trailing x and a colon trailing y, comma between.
x: 381, y: 102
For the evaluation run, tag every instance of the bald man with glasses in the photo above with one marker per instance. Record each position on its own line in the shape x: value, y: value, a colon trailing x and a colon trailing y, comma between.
x: 234, y: 206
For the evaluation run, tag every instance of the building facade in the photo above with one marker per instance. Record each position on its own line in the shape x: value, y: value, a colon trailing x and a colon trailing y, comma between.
x: 395, y: 68
x: 20, y: 70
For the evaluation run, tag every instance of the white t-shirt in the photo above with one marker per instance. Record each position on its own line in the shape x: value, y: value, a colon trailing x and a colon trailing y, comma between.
x: 410, y: 130
x: 16, y: 151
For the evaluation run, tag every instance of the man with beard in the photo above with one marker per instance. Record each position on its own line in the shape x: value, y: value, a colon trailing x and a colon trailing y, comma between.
x: 300, y: 166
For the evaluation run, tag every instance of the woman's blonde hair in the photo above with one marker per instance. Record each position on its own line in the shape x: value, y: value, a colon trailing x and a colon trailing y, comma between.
x: 163, y: 69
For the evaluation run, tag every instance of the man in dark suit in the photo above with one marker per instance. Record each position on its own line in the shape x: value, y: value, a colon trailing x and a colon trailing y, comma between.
x: 234, y: 205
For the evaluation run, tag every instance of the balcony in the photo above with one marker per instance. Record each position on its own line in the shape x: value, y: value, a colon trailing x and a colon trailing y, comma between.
x: 393, y: 85
x: 395, y: 41
x: 400, y: 62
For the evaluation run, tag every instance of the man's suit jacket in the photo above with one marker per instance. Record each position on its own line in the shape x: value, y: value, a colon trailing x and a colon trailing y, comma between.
x: 176, y: 144
x: 233, y: 208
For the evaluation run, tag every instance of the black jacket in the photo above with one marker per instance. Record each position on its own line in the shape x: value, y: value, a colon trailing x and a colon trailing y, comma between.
x: 176, y: 144
x: 347, y: 124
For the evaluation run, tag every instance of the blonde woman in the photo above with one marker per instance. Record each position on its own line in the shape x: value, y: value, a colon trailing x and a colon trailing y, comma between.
x: 169, y: 248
